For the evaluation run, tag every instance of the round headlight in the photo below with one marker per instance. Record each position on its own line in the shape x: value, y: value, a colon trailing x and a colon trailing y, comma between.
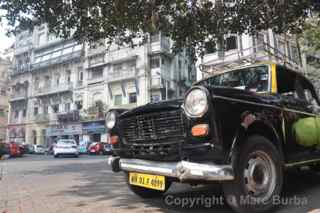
x: 196, y: 103
x: 111, y: 120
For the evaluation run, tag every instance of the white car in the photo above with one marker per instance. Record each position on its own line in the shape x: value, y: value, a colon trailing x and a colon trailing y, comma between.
x: 66, y: 147
x: 38, y: 149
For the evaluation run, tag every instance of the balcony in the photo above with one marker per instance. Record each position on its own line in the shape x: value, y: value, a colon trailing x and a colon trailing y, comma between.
x: 73, y: 116
x: 19, y: 96
x: 23, y: 48
x: 49, y: 90
x: 21, y: 69
x: 96, y: 51
x: 120, y: 55
x: 19, y: 120
x: 161, y: 45
x: 57, y: 60
x: 121, y: 75
x: 41, y: 118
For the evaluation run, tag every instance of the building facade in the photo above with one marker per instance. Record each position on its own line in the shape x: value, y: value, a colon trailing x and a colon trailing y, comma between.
x: 63, y: 89
x: 4, y: 93
x: 247, y: 49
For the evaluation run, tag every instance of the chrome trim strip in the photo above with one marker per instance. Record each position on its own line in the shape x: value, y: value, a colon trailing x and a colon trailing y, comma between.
x: 247, y: 102
x: 302, y: 163
x: 183, y: 170
x: 266, y: 105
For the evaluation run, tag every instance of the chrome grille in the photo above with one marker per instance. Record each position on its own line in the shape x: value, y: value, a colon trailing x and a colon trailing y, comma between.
x: 159, y: 128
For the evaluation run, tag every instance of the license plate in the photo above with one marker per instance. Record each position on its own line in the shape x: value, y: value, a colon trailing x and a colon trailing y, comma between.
x: 147, y: 181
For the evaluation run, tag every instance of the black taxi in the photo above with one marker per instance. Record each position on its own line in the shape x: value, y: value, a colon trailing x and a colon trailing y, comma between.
x: 242, y: 128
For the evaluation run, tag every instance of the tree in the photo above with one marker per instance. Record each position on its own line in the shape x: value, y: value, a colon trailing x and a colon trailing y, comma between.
x: 190, y: 23
x: 309, y: 39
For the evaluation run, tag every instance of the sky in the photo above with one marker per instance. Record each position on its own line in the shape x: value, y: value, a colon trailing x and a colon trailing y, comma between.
x: 5, y: 41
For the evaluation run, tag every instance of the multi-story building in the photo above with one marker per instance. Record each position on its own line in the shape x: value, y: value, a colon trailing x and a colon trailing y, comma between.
x: 62, y: 88
x: 125, y: 77
x: 247, y: 49
x: 44, y: 76
x: 4, y: 93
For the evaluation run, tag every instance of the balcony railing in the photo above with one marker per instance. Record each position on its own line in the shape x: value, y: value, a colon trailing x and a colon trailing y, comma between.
x: 47, y: 90
x: 21, y: 69
x: 95, y: 51
x: 20, y: 120
x: 22, y: 49
x: 18, y: 96
x: 121, y: 75
x: 57, y: 60
x: 41, y: 118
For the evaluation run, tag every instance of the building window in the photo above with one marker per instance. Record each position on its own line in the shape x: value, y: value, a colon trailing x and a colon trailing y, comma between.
x: 2, y: 114
x: 55, y: 108
x: 155, y: 62
x: 45, y: 109
x: 24, y: 113
x: 3, y: 92
x: 210, y: 47
x: 97, y: 73
x: 79, y: 105
x: 231, y: 43
x: 81, y: 76
x: 16, y: 114
x: 117, y: 100
x: 36, y: 111
x: 36, y: 83
x: 67, y: 107
x: 132, y: 98
x: 57, y: 80
x: 68, y: 76
x: 155, y: 98
x: 117, y: 67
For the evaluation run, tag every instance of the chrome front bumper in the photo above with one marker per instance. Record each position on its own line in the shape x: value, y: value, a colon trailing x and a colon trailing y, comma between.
x: 183, y: 170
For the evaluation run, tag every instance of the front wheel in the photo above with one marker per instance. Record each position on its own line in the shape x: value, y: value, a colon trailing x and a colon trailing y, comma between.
x: 145, y: 192
x: 258, y: 169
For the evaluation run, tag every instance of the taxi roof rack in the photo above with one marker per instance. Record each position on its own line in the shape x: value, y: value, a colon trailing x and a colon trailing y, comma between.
x: 255, y: 54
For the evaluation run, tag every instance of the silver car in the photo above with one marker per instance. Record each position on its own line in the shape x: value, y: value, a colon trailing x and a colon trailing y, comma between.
x: 66, y: 147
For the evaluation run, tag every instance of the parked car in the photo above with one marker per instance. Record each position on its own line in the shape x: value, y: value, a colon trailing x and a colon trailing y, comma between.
x: 66, y: 147
x: 4, y: 149
x: 15, y: 150
x: 107, y: 149
x: 242, y: 128
x: 50, y: 148
x: 38, y: 149
x: 96, y: 148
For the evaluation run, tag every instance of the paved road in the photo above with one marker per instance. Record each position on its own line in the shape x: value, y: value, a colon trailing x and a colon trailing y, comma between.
x: 42, y: 184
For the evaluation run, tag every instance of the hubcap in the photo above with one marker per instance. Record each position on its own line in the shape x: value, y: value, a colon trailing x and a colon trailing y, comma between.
x: 260, y: 176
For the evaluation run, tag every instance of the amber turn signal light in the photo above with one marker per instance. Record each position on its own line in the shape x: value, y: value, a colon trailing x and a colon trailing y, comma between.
x: 200, y: 130
x: 114, y: 139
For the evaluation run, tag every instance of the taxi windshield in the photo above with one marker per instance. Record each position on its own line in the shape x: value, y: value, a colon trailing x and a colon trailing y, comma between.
x: 255, y: 79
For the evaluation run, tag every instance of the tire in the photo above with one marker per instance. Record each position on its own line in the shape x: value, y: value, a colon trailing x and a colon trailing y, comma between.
x: 258, y: 170
x: 56, y: 156
x: 147, y: 193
